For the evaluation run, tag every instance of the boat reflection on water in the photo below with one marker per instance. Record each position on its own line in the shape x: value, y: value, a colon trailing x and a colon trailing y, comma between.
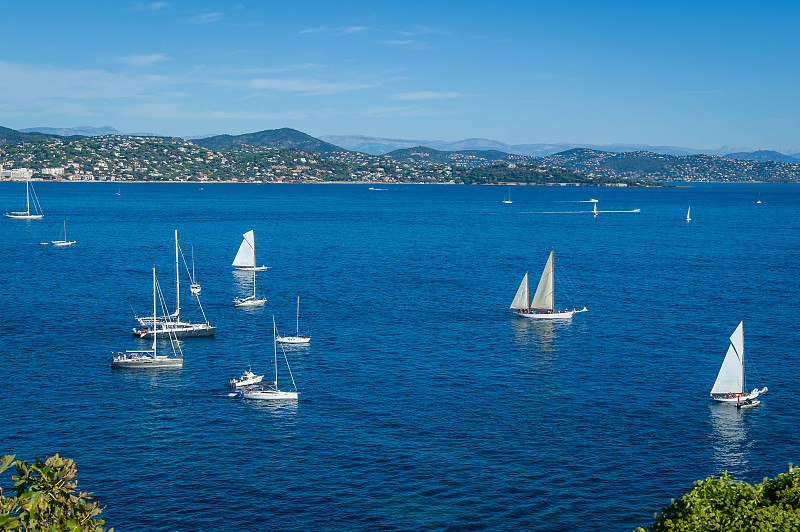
x: 539, y: 334
x: 729, y: 439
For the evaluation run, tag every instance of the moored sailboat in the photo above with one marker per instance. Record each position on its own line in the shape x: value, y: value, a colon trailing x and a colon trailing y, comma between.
x: 542, y: 306
x: 730, y: 386
x: 270, y: 390
x: 172, y: 323
x: 64, y: 242
x: 26, y: 214
x: 296, y: 339
x: 149, y: 358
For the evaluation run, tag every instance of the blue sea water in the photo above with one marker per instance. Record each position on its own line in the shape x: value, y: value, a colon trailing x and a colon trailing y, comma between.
x: 425, y: 404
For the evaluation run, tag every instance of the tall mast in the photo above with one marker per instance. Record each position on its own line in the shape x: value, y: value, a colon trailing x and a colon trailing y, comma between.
x: 275, y: 350
x: 27, y: 196
x: 177, y: 282
x: 553, y: 279
x: 743, y: 384
x: 298, y: 317
x: 155, y: 322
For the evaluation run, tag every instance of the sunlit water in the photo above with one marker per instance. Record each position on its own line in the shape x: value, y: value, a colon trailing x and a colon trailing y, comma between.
x: 424, y: 404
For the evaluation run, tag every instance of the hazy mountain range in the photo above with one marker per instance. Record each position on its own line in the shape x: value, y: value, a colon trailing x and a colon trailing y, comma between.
x: 290, y: 138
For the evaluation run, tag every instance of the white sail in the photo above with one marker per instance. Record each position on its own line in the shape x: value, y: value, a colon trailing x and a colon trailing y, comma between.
x: 731, y: 375
x: 521, y: 299
x: 543, y: 298
x: 246, y: 256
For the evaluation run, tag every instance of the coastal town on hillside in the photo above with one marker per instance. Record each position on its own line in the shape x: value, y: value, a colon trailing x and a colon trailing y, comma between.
x: 152, y: 158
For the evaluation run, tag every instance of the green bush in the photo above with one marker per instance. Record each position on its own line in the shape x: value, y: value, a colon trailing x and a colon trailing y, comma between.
x: 724, y: 505
x: 44, y: 498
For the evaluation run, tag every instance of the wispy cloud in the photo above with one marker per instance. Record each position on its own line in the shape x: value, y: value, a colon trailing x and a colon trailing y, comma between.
x: 390, y: 112
x: 426, y: 95
x: 307, y: 86
x: 207, y: 18
x: 339, y: 31
x: 143, y: 59
x: 149, y: 6
x: 407, y: 42
x: 423, y: 30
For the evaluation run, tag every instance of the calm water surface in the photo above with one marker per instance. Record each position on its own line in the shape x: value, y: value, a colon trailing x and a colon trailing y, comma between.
x: 425, y: 405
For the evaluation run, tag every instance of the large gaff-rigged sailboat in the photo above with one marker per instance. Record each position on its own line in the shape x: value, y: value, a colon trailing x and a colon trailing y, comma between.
x: 730, y: 384
x: 149, y: 324
x: 26, y: 214
x: 246, y: 256
x: 149, y: 358
x: 542, y: 306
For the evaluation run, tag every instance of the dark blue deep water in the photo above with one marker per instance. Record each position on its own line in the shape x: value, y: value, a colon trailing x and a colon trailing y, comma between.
x: 425, y: 405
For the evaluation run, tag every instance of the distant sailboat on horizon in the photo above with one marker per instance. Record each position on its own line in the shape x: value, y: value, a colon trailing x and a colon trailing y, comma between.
x: 759, y: 198
x: 508, y: 199
x: 688, y: 215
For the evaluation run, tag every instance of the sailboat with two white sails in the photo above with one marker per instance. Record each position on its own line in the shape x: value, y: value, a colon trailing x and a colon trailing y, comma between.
x: 542, y: 306
x: 730, y: 385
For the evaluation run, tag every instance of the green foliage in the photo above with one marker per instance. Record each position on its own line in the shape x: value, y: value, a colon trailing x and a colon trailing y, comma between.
x: 45, y: 498
x: 722, y: 504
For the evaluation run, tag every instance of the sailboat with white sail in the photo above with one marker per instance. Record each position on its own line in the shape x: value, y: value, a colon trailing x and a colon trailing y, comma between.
x: 296, y: 339
x: 149, y: 358
x: 65, y: 242
x: 27, y: 214
x: 172, y: 322
x: 246, y: 256
x: 689, y: 215
x: 508, y: 199
x: 270, y: 390
x: 542, y: 306
x: 730, y: 386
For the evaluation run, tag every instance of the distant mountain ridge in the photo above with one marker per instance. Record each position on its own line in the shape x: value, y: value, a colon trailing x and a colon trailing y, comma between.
x: 764, y: 155
x: 271, y: 138
x: 382, y: 146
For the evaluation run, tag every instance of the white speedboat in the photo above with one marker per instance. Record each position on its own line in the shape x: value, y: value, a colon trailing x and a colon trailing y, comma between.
x: 247, y: 378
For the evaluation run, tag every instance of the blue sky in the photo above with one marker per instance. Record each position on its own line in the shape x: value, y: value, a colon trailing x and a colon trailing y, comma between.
x: 692, y: 74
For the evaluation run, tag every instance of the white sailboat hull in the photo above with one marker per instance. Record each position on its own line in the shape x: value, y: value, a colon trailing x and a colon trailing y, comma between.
x: 269, y: 395
x: 293, y: 339
x: 62, y: 243
x: 23, y: 216
x: 548, y: 315
x: 139, y: 360
x: 253, y: 268
x: 735, y: 398
x: 179, y: 330
x: 249, y: 302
